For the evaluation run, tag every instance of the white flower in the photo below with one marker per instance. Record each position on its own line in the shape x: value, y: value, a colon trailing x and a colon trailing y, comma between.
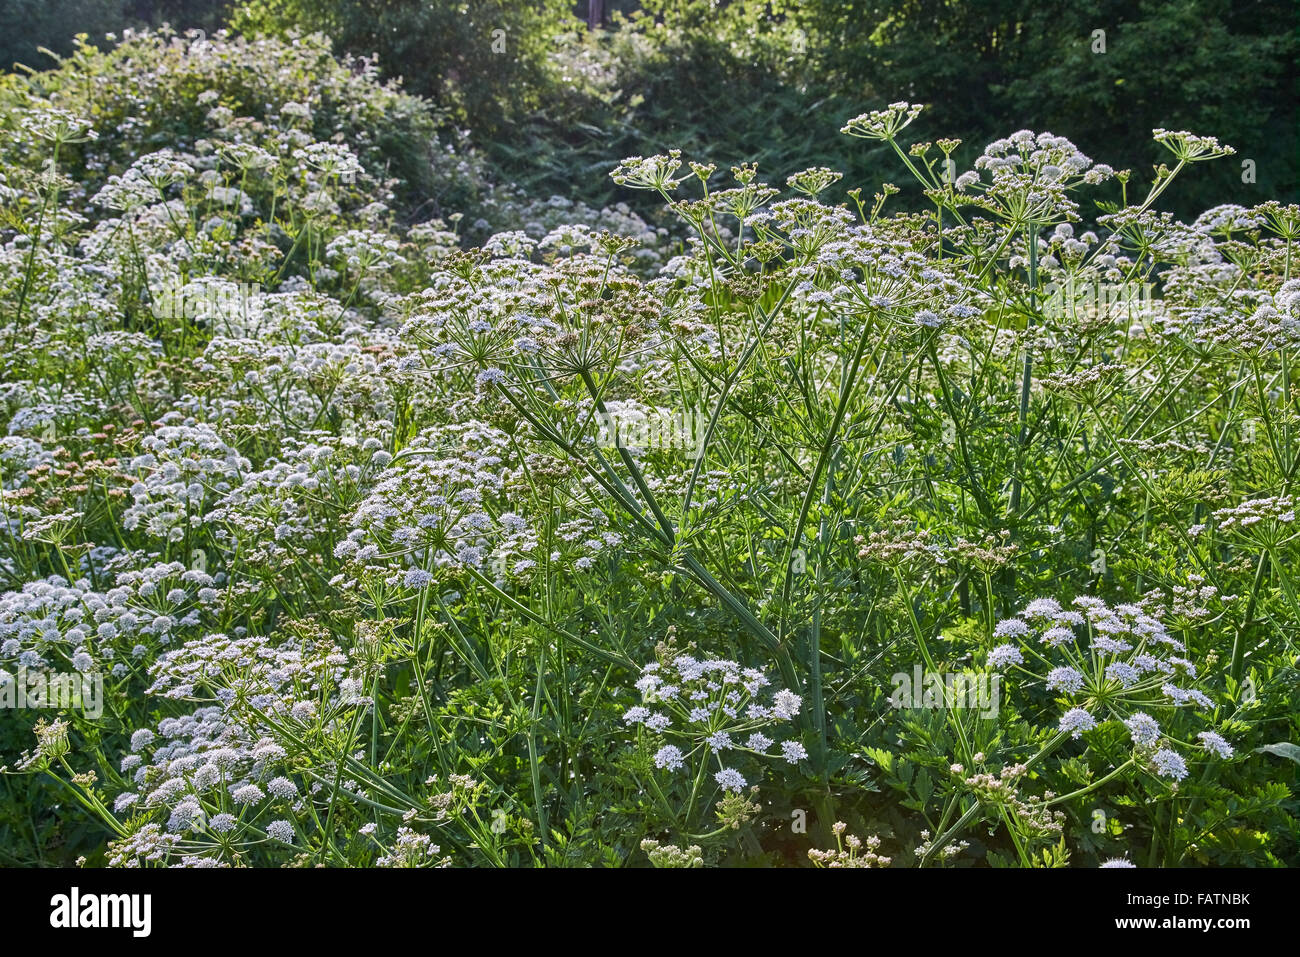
x: 1169, y: 764
x: 793, y: 751
x: 1011, y: 627
x: 248, y: 794
x: 883, y: 124
x: 668, y: 758
x: 730, y: 780
x: 1143, y: 729
x: 1076, y: 721
x: 282, y: 788
x: 719, y: 740
x: 1185, y: 695
x: 1004, y: 655
x: 1064, y: 679
x: 281, y: 831
x: 1215, y: 744
x: 785, y: 704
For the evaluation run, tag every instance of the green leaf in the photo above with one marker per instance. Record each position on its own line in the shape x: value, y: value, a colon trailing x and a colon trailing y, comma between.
x: 1283, y: 749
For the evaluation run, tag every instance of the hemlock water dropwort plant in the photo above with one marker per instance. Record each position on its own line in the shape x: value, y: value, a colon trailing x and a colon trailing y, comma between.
x: 704, y: 718
x: 543, y: 535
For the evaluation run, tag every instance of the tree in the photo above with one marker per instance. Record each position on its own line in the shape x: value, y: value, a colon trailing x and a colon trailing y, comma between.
x: 485, y: 60
x: 986, y: 69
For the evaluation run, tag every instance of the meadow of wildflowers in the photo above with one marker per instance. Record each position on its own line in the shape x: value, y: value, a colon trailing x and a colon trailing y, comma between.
x: 325, y: 500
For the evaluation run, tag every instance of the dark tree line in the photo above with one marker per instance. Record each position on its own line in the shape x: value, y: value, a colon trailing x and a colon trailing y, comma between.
x: 547, y: 87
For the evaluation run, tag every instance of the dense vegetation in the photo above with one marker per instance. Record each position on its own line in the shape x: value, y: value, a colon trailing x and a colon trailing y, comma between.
x: 553, y: 103
x: 703, y: 513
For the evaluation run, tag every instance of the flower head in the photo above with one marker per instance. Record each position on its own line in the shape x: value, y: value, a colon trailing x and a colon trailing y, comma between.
x: 1215, y: 744
x: 1076, y: 721
x: 1169, y: 764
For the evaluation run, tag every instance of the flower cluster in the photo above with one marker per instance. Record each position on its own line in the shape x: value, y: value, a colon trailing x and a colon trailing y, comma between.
x: 1107, y: 663
x: 712, y: 711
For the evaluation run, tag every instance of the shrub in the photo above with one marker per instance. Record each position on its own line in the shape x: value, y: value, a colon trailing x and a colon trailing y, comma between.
x: 155, y: 89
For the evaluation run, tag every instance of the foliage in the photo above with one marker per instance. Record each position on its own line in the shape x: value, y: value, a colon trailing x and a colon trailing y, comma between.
x: 486, y: 61
x: 1180, y: 64
x: 562, y: 100
x: 28, y: 25
x: 952, y: 533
